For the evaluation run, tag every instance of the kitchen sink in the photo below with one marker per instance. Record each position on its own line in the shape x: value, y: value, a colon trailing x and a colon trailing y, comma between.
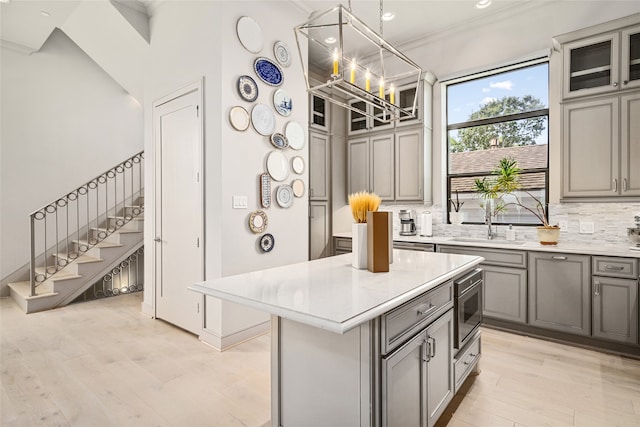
x: 480, y: 240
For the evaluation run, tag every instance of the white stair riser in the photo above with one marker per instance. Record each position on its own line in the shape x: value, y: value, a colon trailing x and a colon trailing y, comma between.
x: 132, y: 225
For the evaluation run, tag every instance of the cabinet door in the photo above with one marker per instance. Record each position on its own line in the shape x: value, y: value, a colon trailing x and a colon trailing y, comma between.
x: 357, y: 122
x: 381, y: 170
x: 358, y: 173
x: 591, y: 65
x: 319, y: 168
x: 559, y: 292
x: 615, y: 309
x: 319, y: 113
x: 440, y: 378
x: 409, y: 168
x: 505, y: 293
x: 403, y: 385
x: 319, y: 244
x: 630, y: 143
x: 590, y: 148
x: 630, y: 61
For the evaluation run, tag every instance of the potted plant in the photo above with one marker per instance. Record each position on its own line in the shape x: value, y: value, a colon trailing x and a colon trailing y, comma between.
x: 507, y: 183
x: 455, y: 216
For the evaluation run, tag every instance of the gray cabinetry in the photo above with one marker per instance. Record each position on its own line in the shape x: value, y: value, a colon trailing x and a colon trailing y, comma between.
x: 371, y: 165
x: 505, y: 281
x: 615, y: 299
x: 559, y: 292
x: 417, y: 378
x: 409, y: 165
x: 629, y: 141
x: 319, y: 166
x: 319, y: 230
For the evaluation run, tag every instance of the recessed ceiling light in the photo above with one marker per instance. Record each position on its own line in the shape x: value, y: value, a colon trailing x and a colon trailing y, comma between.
x: 388, y: 16
x: 44, y: 13
x: 483, y: 3
x: 330, y: 40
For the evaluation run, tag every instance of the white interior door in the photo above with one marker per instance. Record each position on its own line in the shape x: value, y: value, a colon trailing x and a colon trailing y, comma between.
x: 179, y: 208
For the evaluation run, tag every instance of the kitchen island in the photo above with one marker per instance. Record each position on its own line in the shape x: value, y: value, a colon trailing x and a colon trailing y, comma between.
x: 355, y: 348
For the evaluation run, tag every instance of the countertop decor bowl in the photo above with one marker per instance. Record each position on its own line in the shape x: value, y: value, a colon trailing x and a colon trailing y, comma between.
x: 634, y: 235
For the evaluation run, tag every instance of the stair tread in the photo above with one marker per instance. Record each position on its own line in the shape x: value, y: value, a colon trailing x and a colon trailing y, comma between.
x: 82, y: 259
x: 24, y: 289
x: 102, y: 244
x: 60, y: 275
x: 137, y: 217
x: 117, y: 231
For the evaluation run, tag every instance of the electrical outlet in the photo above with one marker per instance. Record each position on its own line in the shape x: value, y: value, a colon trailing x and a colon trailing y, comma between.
x: 563, y: 225
x: 240, y: 202
x: 587, y: 227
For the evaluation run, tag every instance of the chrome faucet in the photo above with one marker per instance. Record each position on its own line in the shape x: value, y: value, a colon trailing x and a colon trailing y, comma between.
x: 487, y: 219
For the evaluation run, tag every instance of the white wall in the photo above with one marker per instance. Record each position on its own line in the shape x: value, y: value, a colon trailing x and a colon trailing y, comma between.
x: 64, y: 121
x: 191, y: 40
x: 513, y: 35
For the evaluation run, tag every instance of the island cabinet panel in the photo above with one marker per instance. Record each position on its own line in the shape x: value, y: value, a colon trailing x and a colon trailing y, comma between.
x: 559, y: 292
x: 615, y: 309
x: 505, y: 293
x: 418, y: 379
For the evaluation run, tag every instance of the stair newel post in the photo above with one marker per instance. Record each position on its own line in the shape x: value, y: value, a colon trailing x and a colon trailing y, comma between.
x: 32, y: 227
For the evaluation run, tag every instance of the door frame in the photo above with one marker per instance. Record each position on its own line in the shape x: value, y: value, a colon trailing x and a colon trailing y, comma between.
x: 196, y: 86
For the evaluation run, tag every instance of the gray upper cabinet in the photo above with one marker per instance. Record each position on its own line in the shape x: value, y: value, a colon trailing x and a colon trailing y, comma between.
x: 601, y: 156
x: 319, y: 113
x: 615, y: 309
x: 409, y: 165
x: 371, y: 165
x: 319, y: 166
x: 603, y: 63
x: 358, y: 169
x: 559, y: 292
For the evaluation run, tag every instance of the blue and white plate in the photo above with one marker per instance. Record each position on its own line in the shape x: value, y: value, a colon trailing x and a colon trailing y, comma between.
x: 247, y: 88
x: 267, y: 242
x: 281, y: 52
x: 282, y: 102
x: 268, y: 71
x: 279, y: 140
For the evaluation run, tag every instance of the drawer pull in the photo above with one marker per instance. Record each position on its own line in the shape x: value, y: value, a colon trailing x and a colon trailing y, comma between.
x: 614, y: 267
x: 559, y: 258
x: 427, y: 311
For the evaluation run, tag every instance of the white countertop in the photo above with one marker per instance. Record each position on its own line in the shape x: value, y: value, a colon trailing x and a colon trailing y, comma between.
x: 329, y: 293
x: 613, y: 249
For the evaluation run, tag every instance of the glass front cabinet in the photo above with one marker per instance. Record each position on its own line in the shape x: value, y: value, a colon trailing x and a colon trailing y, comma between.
x: 603, y: 63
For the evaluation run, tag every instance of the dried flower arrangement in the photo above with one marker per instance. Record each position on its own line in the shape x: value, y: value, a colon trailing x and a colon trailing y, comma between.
x: 361, y: 203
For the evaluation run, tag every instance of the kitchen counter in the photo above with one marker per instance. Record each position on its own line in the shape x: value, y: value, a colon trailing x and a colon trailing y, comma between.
x: 330, y: 294
x: 619, y: 249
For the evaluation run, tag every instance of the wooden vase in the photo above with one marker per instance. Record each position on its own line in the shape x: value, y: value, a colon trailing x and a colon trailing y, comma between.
x: 378, y: 242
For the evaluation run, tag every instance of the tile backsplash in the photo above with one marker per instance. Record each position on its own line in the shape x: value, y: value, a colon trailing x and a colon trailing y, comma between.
x: 610, y: 221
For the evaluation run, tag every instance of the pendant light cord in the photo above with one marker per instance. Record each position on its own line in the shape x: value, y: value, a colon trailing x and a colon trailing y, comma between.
x: 381, y: 35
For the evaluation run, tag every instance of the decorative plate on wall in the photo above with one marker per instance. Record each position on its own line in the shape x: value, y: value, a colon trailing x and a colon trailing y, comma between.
x: 249, y: 34
x: 295, y: 134
x: 247, y: 88
x: 298, y: 187
x: 281, y: 52
x: 279, y: 140
x: 277, y: 166
x: 297, y: 164
x: 265, y: 190
x: 267, y: 242
x: 282, y: 102
x: 239, y: 118
x: 284, y: 195
x: 258, y: 221
x: 268, y: 71
x: 263, y: 119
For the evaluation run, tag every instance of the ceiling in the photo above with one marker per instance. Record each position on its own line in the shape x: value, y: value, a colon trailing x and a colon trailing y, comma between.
x: 24, y: 25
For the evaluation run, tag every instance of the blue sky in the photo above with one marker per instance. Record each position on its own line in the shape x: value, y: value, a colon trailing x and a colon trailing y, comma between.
x: 465, y: 98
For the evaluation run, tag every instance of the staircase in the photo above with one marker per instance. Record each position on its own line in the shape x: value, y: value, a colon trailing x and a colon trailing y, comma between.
x: 94, y: 228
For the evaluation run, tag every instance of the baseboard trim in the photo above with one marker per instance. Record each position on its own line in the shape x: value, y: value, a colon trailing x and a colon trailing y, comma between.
x: 223, y: 343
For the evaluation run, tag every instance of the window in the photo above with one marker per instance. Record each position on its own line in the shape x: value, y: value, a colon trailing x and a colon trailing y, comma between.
x: 490, y: 116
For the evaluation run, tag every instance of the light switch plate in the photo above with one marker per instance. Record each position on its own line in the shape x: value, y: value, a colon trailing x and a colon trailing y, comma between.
x: 240, y: 202
x: 587, y: 227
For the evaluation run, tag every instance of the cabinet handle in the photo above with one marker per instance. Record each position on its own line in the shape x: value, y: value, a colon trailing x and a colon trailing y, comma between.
x: 432, y: 348
x: 624, y: 184
x: 613, y: 267
x: 597, y: 290
x: 157, y: 239
x: 428, y: 310
x: 425, y: 350
x: 625, y: 82
x: 559, y: 258
x: 615, y: 84
x: 615, y: 185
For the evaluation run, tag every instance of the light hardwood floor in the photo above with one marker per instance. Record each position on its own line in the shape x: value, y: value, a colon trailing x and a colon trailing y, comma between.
x: 102, y: 363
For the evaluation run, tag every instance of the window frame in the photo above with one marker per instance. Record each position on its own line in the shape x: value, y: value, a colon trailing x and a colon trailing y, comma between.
x: 493, y: 71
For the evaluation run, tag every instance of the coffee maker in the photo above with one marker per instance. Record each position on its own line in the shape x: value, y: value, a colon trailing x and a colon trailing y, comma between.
x: 407, y: 223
